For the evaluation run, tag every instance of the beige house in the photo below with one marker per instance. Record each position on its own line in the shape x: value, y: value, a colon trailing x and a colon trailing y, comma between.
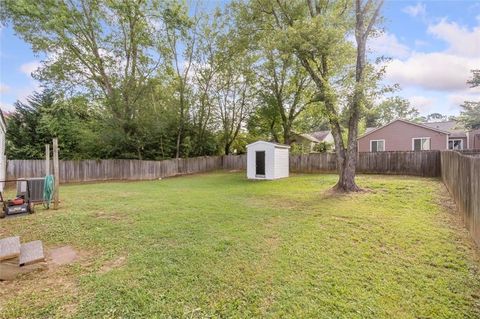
x: 308, y: 141
x: 305, y: 142
x: 323, y: 136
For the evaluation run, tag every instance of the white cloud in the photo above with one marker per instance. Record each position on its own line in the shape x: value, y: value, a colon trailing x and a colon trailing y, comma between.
x: 4, y: 88
x: 434, y: 71
x: 422, y: 103
x: 458, y: 98
x: 20, y: 94
x: 421, y: 43
x: 388, y: 44
x: 461, y: 40
x: 446, y: 70
x: 6, y: 107
x: 29, y: 67
x: 418, y: 10
x: 25, y: 92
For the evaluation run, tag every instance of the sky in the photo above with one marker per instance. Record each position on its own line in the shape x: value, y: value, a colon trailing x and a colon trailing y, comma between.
x: 432, y: 44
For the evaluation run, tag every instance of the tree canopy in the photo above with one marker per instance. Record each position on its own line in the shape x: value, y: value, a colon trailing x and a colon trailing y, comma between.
x: 161, y: 79
x: 470, y: 114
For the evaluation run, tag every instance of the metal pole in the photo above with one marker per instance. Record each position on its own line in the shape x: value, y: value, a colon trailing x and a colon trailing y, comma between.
x: 47, y: 159
x: 56, y: 174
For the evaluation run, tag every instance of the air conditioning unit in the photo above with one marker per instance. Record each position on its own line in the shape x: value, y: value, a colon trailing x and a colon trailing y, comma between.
x: 35, y: 191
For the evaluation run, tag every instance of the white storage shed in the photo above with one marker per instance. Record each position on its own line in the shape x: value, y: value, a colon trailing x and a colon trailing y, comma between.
x: 266, y: 160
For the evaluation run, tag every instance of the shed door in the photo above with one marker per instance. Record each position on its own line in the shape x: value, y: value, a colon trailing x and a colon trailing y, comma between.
x: 260, y: 163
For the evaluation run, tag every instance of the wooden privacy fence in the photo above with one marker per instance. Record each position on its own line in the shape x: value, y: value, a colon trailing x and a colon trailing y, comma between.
x: 313, y: 163
x: 425, y: 163
x: 234, y: 162
x: 104, y: 170
x: 461, y: 175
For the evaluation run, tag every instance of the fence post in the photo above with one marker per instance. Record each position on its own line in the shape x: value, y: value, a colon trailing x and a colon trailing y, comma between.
x: 56, y: 174
x: 47, y: 159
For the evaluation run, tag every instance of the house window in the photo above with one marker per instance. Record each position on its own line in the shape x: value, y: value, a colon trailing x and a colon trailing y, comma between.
x: 421, y: 144
x: 377, y: 145
x: 455, y: 144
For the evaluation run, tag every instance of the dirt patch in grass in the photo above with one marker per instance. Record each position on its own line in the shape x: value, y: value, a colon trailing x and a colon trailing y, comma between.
x: 109, y: 216
x: 115, y: 263
x: 332, y: 193
x: 53, y: 258
x: 52, y: 280
x: 62, y: 255
x: 10, y: 271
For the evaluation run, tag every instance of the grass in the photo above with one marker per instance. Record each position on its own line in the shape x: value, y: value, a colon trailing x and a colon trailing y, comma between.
x: 217, y: 245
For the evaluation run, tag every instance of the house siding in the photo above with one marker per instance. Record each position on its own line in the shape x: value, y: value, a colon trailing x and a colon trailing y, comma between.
x: 474, y: 139
x: 398, y: 137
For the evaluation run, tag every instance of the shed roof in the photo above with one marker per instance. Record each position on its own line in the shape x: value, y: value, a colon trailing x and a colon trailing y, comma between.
x: 277, y: 145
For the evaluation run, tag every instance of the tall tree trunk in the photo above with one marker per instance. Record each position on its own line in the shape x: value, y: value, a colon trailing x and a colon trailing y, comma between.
x: 347, y: 169
x: 227, y: 148
x: 177, y: 148
x: 286, y: 138
x: 180, y: 122
x: 318, y: 69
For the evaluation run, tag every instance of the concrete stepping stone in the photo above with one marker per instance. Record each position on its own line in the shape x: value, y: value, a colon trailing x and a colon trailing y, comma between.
x: 9, y: 248
x: 31, y: 253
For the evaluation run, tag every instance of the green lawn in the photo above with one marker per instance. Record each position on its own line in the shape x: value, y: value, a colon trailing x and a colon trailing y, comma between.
x: 217, y: 245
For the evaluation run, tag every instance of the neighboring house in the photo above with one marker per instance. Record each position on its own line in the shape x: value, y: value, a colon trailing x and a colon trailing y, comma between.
x: 459, y: 138
x: 402, y: 135
x: 473, y: 139
x: 323, y: 136
x: 306, y: 142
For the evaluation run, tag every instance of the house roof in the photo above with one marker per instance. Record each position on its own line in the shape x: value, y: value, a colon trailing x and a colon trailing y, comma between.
x: 320, y: 135
x: 309, y: 137
x: 450, y: 126
x: 277, y: 145
x: 408, y: 122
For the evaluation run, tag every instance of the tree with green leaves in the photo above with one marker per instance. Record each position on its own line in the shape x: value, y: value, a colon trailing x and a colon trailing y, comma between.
x: 234, y: 98
x: 390, y: 109
x: 181, y: 35
x: 45, y: 116
x: 316, y: 32
x: 109, y: 50
x: 470, y: 114
x: 285, y: 87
